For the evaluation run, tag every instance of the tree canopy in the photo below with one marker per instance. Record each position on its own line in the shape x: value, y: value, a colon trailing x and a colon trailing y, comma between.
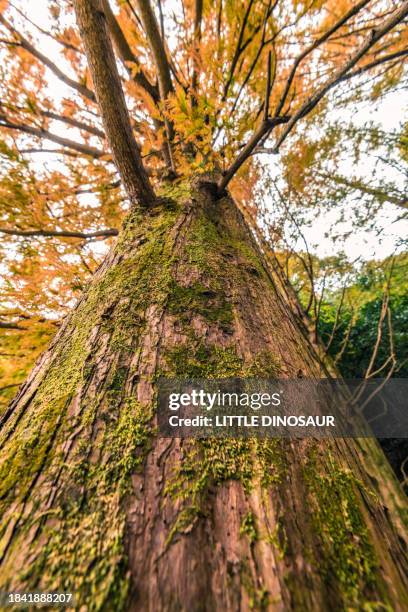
x: 210, y: 128
x: 207, y: 86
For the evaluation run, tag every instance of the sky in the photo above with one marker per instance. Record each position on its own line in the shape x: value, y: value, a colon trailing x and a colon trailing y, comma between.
x: 360, y: 243
x: 364, y: 244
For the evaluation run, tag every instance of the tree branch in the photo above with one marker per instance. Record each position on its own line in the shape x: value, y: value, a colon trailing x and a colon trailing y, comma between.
x: 106, y: 233
x: 31, y: 150
x: 156, y: 44
x: 4, y: 325
x: 126, y: 54
x: 11, y: 385
x: 23, y: 42
x: 41, y: 133
x: 262, y: 131
x: 373, y: 191
x: 351, y: 13
x: 268, y: 87
x: 101, y: 60
x: 268, y: 11
x: 381, y: 60
x: 238, y: 50
x: 60, y: 41
x: 198, y: 16
x: 374, y: 37
x: 81, y: 125
x: 310, y: 104
x: 161, y: 15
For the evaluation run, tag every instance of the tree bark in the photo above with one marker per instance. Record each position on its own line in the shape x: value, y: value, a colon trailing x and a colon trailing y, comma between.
x: 94, y: 503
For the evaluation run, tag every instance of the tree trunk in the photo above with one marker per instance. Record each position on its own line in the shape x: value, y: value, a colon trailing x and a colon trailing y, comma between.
x: 93, y: 502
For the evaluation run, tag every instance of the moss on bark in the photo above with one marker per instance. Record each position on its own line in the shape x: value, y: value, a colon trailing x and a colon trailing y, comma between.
x: 85, y: 482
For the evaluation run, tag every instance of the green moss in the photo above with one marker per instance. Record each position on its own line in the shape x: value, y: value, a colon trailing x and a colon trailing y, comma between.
x: 348, y: 559
x: 175, y: 191
x: 184, y: 522
x: 85, y: 556
x: 212, y: 461
x: 208, y: 462
x: 248, y: 256
x: 264, y: 365
x: 248, y: 528
x: 205, y: 244
x: 278, y: 539
x: 118, y: 379
x: 140, y: 275
x: 209, y: 246
x: 124, y: 446
x: 258, y: 596
x: 198, y: 360
x: 28, y: 454
x: 203, y: 360
x: 199, y: 299
x: 272, y: 457
x: 85, y: 553
x: 83, y: 549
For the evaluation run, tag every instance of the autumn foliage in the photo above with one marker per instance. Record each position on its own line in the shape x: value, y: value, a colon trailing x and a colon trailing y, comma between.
x: 197, y: 89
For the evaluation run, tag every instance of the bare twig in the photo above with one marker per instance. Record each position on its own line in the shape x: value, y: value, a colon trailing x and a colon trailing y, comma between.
x: 353, y: 11
x: 4, y: 325
x: 23, y: 42
x: 60, y: 41
x: 106, y: 233
x: 261, y: 47
x: 11, y: 386
x: 383, y: 313
x: 81, y: 125
x: 31, y: 150
x: 45, y: 134
x: 318, y: 307
x: 336, y: 320
x: 380, y: 60
x: 268, y: 87
x: 238, y: 49
x: 219, y: 19
x: 336, y: 78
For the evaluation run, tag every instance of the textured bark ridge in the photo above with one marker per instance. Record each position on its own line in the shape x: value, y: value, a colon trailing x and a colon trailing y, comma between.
x: 94, y: 503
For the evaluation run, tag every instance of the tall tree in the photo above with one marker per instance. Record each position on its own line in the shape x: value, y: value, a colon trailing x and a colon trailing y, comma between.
x: 92, y: 500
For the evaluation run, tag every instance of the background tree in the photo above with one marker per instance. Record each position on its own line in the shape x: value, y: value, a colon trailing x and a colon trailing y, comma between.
x: 92, y: 500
